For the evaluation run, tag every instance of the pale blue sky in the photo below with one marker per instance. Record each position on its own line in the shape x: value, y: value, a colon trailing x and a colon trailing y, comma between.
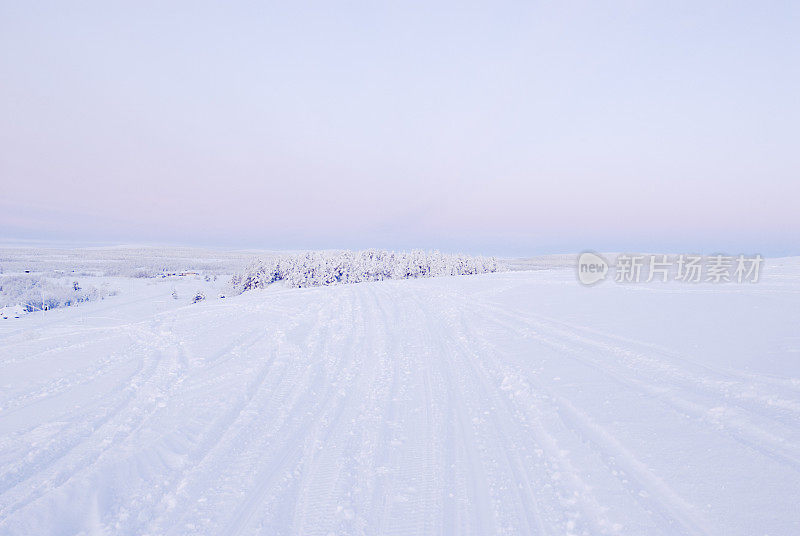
x: 500, y: 127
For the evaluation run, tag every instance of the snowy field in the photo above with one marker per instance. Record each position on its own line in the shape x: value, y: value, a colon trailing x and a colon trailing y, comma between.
x: 506, y: 403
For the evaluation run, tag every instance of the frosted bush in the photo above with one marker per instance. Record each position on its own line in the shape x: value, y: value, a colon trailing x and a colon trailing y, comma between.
x: 36, y: 293
x: 318, y: 268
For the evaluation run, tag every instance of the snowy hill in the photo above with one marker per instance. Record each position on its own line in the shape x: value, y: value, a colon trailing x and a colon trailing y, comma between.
x: 507, y: 403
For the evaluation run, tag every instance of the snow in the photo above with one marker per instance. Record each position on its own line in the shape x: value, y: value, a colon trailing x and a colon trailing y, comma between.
x: 504, y: 403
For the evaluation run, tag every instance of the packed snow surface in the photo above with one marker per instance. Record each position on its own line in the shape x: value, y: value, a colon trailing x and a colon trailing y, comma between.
x: 507, y: 403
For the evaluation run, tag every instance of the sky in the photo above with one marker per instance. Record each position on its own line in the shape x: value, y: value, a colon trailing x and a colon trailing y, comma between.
x: 497, y: 127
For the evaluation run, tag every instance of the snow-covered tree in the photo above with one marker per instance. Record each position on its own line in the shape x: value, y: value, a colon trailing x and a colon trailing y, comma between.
x: 316, y: 268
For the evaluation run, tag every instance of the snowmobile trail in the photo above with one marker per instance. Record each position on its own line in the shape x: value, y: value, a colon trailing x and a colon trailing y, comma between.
x: 467, y: 405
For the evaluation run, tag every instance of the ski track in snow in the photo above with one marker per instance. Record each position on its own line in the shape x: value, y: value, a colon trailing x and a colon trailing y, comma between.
x: 398, y: 407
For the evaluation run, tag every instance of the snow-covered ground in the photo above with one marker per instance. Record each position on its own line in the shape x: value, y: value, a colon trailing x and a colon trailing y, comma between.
x: 508, y: 403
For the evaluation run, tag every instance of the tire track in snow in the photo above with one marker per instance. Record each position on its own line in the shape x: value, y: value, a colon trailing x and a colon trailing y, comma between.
x: 717, y: 382
x: 140, y: 398
x: 716, y: 412
x: 660, y: 496
x: 235, y: 438
x: 543, y: 473
x: 465, y: 388
x: 327, y: 409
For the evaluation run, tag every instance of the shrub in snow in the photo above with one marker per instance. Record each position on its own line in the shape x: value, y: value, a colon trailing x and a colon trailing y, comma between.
x: 318, y: 268
x: 35, y: 293
x: 141, y: 273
